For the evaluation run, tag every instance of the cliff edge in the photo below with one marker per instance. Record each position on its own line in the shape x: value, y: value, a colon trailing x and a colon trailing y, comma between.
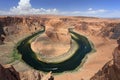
x: 111, y: 70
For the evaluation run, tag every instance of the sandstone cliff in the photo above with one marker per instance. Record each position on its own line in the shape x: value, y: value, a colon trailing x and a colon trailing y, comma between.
x: 111, y: 70
x: 18, y: 26
x: 22, y: 25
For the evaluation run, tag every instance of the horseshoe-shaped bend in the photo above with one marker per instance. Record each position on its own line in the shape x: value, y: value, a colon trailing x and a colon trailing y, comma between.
x: 80, y: 47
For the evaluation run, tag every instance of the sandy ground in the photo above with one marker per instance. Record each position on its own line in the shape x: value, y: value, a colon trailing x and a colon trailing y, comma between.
x: 95, y: 61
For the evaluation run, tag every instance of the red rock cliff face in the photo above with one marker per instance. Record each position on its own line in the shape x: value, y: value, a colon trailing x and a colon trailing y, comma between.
x: 8, y: 73
x: 111, y: 70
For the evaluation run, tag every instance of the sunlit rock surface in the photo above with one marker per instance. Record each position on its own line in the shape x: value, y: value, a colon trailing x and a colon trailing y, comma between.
x: 111, y: 70
x: 102, y: 32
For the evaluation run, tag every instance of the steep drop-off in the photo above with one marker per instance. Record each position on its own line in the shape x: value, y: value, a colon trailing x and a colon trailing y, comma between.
x: 111, y: 70
x: 9, y: 73
x: 21, y: 25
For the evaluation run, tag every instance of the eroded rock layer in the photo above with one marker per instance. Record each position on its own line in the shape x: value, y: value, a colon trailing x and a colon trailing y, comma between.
x: 21, y: 25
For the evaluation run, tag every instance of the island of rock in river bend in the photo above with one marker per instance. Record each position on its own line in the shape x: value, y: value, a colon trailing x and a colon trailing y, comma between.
x: 102, y: 32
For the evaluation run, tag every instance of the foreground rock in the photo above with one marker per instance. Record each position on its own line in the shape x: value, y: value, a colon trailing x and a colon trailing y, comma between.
x: 111, y: 70
x: 35, y: 75
x: 9, y: 73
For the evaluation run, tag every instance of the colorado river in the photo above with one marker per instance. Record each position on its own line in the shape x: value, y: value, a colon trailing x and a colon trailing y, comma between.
x: 68, y: 64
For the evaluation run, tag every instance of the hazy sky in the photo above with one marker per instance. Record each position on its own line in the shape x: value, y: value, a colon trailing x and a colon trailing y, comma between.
x: 99, y: 8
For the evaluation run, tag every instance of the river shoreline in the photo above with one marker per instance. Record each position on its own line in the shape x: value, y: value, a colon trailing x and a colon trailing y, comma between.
x: 54, y: 67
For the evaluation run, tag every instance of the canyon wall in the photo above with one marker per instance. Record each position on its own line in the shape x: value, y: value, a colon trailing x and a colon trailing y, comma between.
x: 15, y: 28
x: 9, y: 73
x: 111, y: 70
x: 18, y: 26
x: 21, y: 25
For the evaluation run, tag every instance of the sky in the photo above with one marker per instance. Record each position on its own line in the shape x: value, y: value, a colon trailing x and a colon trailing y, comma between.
x: 95, y: 8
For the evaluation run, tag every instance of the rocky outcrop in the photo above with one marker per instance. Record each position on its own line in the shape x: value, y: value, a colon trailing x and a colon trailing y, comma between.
x: 35, y: 75
x: 111, y: 30
x: 2, y: 33
x: 116, y: 59
x: 17, y: 26
x: 61, y: 35
x: 111, y: 70
x: 56, y: 30
x: 8, y: 73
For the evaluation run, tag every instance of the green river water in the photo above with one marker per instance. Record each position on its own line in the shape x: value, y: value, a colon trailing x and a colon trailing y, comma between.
x: 83, y: 48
